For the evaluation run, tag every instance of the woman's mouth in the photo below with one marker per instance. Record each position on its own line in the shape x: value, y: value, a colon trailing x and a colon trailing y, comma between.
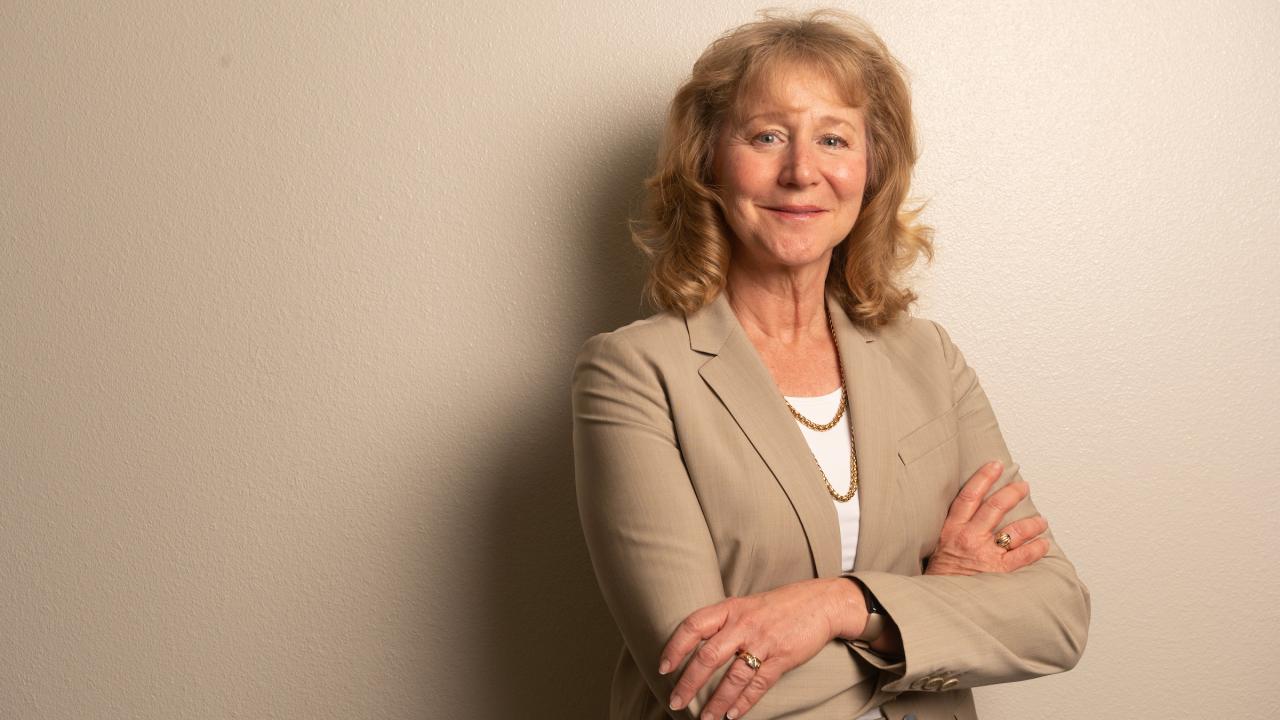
x: 796, y: 212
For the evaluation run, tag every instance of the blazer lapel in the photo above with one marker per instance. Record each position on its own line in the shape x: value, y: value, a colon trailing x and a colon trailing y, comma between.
x: 740, y: 379
x: 867, y: 380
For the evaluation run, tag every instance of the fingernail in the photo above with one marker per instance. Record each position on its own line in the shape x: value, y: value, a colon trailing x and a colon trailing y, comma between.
x: 995, y: 465
x: 664, y: 667
x: 675, y: 702
x: 732, y: 714
x: 708, y: 716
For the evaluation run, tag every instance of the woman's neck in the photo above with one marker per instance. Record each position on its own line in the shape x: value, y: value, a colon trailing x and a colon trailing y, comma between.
x: 779, y: 308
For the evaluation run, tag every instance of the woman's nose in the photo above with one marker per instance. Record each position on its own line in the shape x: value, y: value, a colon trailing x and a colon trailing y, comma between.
x: 799, y: 168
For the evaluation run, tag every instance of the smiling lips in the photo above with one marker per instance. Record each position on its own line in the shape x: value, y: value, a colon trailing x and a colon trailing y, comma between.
x: 798, y: 212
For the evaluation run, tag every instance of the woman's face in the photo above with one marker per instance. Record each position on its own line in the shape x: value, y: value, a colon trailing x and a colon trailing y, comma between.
x: 792, y: 167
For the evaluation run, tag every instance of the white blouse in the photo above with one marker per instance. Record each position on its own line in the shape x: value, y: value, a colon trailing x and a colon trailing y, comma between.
x: 831, y: 448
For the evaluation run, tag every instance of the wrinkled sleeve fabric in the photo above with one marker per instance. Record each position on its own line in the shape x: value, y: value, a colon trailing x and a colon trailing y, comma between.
x: 991, y: 627
x: 652, y: 553
x: 649, y: 545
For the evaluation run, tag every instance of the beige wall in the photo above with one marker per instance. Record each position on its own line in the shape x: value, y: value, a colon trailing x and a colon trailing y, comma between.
x: 290, y: 299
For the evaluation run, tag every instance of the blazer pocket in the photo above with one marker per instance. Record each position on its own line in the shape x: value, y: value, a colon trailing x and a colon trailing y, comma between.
x: 928, y: 437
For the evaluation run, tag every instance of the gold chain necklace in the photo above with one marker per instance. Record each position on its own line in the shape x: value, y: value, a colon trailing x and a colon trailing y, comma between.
x: 813, y: 425
x: 844, y: 403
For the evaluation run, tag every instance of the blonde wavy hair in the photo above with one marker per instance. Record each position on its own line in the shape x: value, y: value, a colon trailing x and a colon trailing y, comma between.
x: 682, y: 228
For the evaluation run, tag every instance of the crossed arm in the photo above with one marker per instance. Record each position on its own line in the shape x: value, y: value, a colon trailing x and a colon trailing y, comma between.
x: 788, y: 625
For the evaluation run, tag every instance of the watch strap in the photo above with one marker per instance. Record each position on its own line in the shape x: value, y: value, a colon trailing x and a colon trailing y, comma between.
x: 875, y: 616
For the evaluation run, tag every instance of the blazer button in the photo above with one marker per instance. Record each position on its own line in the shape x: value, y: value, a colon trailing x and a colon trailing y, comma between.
x: 933, y: 684
x: 919, y: 684
x: 950, y: 684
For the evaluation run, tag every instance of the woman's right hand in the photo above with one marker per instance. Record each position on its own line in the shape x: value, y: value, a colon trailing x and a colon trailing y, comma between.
x: 967, y: 544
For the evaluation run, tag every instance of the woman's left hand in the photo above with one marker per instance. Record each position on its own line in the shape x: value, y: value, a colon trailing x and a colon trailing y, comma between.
x: 783, y: 627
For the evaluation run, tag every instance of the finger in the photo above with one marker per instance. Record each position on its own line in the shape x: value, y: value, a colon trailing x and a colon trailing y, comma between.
x: 991, y: 512
x: 730, y: 688
x: 692, y: 630
x: 1025, y: 529
x: 713, y: 654
x: 764, y: 679
x: 1025, y: 555
x: 974, y: 490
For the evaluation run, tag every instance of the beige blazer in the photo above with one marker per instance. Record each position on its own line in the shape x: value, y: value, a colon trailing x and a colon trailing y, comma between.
x: 695, y: 484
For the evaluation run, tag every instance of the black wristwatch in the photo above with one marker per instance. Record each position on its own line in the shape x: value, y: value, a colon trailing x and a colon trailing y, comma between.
x: 875, y: 616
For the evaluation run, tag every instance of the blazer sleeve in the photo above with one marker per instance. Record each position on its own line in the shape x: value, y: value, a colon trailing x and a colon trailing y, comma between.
x: 991, y: 627
x: 649, y: 543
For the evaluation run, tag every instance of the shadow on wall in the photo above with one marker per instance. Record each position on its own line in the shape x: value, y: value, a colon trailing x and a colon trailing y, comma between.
x: 556, y: 641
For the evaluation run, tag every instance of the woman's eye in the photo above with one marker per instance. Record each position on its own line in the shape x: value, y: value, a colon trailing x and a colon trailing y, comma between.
x: 768, y: 138
x: 834, y: 141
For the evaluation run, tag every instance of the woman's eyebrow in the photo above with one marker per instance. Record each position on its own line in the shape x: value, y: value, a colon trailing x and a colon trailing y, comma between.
x: 777, y: 115
x: 829, y: 120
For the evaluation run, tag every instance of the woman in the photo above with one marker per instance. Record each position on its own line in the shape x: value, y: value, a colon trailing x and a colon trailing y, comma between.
x: 796, y: 497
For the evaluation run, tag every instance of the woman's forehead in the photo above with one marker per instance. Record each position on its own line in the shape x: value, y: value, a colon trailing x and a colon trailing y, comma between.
x: 793, y: 90
x: 781, y: 84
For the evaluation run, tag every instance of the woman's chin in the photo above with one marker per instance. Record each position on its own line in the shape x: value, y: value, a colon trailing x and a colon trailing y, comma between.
x: 790, y: 260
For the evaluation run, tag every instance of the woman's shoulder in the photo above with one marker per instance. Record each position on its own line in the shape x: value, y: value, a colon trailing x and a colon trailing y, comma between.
x: 654, y: 335
x: 633, y: 360
x: 912, y: 334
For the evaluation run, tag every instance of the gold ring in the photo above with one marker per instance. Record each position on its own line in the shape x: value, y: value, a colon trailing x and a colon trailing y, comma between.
x: 1003, y: 540
x: 752, y: 661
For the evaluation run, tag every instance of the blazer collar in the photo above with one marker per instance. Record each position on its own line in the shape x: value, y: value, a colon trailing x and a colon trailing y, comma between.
x: 738, y: 376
